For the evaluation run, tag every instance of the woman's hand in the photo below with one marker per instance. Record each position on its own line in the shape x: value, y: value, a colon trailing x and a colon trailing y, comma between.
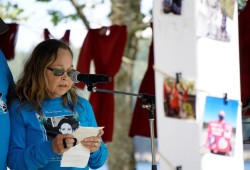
x: 62, y: 143
x: 93, y: 143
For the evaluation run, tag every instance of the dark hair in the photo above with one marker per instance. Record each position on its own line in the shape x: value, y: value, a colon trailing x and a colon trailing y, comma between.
x: 74, y: 124
x: 31, y: 87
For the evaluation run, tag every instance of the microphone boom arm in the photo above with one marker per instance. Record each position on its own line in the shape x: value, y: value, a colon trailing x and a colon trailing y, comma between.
x: 94, y: 89
x: 150, y: 106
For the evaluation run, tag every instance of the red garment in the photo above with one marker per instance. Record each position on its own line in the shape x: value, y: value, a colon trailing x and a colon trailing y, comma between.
x: 105, y: 46
x: 219, y: 137
x: 8, y: 41
x: 65, y: 38
x: 174, y: 98
x: 244, y: 49
x: 140, y: 121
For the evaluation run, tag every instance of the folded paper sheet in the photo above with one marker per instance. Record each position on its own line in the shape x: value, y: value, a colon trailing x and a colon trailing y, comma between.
x: 78, y: 156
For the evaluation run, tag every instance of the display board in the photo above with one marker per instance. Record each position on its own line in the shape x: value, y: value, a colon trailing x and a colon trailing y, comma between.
x: 198, y: 103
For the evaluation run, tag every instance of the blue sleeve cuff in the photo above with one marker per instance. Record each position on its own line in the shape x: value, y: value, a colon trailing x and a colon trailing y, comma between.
x: 94, y: 154
x: 98, y: 158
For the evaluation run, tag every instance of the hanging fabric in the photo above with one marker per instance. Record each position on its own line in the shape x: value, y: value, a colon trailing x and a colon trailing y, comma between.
x: 105, y: 46
x: 3, y: 26
x: 65, y: 38
x: 244, y: 49
x: 8, y: 41
x: 140, y: 122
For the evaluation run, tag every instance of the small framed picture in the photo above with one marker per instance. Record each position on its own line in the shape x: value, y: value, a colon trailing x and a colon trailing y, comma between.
x: 172, y: 6
x: 179, y: 98
x: 219, y: 126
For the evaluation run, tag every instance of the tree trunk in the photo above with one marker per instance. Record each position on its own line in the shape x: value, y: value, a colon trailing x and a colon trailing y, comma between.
x: 121, y: 150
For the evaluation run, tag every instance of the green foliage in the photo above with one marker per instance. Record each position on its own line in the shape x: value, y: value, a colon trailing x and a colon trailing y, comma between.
x: 58, y: 16
x: 241, y: 4
x: 12, y: 12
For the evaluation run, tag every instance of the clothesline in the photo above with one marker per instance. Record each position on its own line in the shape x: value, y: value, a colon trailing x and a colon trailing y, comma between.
x: 133, y: 62
x: 197, y: 89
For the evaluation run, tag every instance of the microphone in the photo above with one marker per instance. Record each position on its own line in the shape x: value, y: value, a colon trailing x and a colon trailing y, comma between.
x: 77, y: 77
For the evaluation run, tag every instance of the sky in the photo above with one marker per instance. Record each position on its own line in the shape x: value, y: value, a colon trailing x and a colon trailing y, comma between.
x: 30, y: 32
x: 214, y: 105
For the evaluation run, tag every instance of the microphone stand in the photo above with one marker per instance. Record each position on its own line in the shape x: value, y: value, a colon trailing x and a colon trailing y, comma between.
x: 150, y: 106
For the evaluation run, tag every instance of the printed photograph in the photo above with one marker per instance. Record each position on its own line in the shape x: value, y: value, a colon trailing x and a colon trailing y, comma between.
x: 179, y: 98
x: 219, y: 126
x: 218, y: 15
x: 59, y: 125
x: 172, y: 6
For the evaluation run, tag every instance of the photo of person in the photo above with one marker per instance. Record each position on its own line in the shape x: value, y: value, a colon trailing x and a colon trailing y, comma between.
x: 67, y: 126
x: 172, y: 6
x: 59, y: 125
x: 219, y: 126
x: 179, y: 98
x: 218, y: 15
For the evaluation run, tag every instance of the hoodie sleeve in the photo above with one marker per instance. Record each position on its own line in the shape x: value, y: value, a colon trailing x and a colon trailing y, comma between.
x: 22, y: 155
x: 6, y: 86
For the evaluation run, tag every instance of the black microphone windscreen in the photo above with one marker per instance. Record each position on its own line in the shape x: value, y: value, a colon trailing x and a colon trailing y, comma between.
x: 76, y: 77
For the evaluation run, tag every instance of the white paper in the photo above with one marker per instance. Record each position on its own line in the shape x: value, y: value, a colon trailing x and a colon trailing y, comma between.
x: 78, y: 156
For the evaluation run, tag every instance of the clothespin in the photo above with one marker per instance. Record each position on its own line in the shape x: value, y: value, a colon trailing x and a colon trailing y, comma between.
x: 179, y: 168
x: 178, y: 77
x: 104, y: 31
x: 225, y: 98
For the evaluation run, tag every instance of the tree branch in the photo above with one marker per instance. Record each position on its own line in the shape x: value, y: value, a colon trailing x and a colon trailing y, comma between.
x: 79, y: 10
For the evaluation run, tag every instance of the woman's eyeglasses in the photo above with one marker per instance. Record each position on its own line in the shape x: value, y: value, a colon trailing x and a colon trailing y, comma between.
x: 58, y: 72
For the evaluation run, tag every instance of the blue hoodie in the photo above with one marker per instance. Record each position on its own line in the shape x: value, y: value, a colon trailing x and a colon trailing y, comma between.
x: 31, y: 134
x: 6, y: 84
